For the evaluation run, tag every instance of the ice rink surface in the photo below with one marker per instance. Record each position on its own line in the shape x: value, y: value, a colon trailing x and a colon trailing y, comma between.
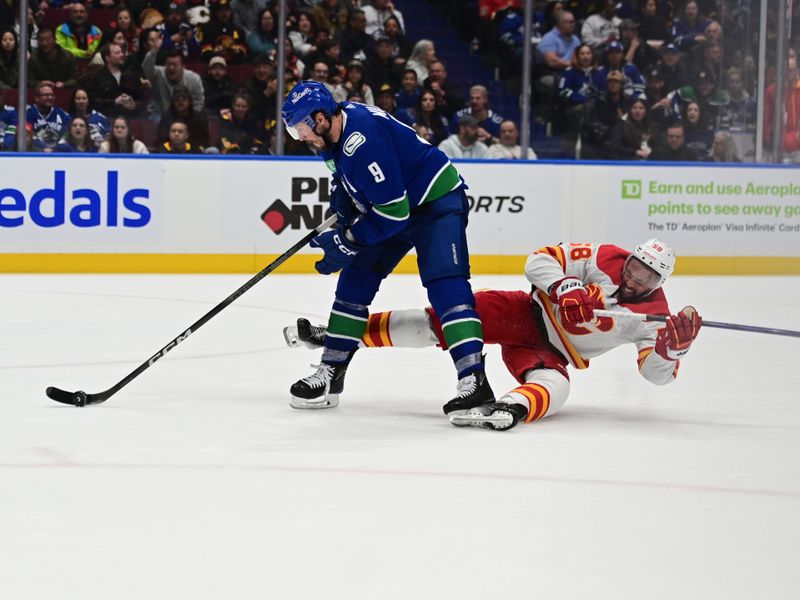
x: 197, y: 481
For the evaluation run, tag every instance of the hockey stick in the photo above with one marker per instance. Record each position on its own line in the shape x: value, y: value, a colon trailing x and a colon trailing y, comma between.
x: 81, y: 398
x: 717, y: 324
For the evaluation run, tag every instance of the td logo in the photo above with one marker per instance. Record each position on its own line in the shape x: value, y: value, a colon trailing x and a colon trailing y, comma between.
x: 631, y: 189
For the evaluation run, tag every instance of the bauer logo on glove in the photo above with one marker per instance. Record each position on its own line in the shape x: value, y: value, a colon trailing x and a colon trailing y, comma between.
x: 574, y: 301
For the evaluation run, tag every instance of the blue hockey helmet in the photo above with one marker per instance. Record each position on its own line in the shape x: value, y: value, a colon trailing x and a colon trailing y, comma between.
x: 306, y: 99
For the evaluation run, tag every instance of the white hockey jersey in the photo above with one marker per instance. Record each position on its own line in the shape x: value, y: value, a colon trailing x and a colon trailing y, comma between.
x: 599, y: 266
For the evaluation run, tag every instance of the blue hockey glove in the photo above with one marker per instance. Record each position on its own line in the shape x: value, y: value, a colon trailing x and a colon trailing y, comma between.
x: 339, y: 251
x: 341, y: 204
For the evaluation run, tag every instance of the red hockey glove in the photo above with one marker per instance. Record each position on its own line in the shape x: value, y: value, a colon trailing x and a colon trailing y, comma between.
x: 576, y: 304
x: 673, y: 341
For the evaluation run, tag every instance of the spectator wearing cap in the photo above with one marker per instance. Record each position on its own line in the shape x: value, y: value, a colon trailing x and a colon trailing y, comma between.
x: 675, y: 74
x: 408, y: 95
x: 164, y: 79
x: 637, y: 51
x: 674, y: 147
x: 508, y: 148
x: 615, y: 61
x: 465, y: 143
x: 77, y: 36
x: 602, y: 115
x: 246, y: 13
x: 181, y: 109
x: 261, y: 88
x: 263, y: 40
x: 376, y: 12
x: 705, y: 87
x: 380, y: 68
x: 354, y: 41
x: 220, y: 37
x: 384, y: 100
x: 115, y: 89
x: 602, y: 27
x: 218, y: 87
x: 655, y: 89
x: 690, y: 28
x: 50, y: 62
x: 449, y: 98
x: 478, y: 107
x: 178, y: 142
x: 178, y: 33
x: 354, y: 82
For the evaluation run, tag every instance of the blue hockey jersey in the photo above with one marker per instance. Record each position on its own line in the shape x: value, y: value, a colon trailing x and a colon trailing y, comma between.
x: 47, y: 129
x: 578, y: 86
x: 633, y: 87
x: 8, y: 128
x: 387, y: 169
x: 99, y: 127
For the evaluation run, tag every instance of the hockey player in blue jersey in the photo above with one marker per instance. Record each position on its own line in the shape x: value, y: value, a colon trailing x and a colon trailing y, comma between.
x: 8, y: 128
x: 392, y: 192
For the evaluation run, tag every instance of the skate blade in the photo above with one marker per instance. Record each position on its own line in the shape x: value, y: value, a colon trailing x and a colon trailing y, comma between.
x: 499, y: 419
x: 329, y: 401
x: 290, y: 335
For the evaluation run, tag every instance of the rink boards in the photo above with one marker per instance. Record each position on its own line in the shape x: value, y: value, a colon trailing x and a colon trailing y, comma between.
x: 205, y: 215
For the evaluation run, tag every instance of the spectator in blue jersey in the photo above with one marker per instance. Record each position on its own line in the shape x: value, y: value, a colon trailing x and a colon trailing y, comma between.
x: 430, y: 123
x: 178, y: 34
x: 615, y: 61
x: 488, y: 120
x: 8, y: 128
x: 465, y: 143
x: 77, y: 139
x: 579, y: 85
x: 48, y: 122
x: 553, y: 56
x: 690, y: 28
x: 97, y: 123
x: 410, y: 91
x: 392, y: 192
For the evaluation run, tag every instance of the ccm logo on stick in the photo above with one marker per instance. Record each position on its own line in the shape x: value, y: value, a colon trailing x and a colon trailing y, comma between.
x: 82, y: 207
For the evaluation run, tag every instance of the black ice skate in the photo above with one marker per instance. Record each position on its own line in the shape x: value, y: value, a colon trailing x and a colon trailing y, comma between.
x: 320, y: 390
x: 305, y: 334
x: 500, y: 416
x: 473, y: 390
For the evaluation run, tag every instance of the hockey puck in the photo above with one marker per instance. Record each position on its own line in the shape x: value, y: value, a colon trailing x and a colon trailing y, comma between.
x: 79, y: 398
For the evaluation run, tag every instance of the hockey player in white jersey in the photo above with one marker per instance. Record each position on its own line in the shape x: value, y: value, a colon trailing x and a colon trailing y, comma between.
x: 543, y: 331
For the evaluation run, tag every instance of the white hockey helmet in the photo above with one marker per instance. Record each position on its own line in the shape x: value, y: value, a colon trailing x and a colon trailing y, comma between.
x: 658, y: 256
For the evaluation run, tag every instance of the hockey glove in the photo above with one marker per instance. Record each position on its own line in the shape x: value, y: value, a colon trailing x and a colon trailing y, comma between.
x: 673, y: 341
x: 575, y: 303
x: 341, y: 204
x: 339, y: 251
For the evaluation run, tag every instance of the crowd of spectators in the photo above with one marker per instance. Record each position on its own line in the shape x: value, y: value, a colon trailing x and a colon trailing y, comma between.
x: 628, y: 79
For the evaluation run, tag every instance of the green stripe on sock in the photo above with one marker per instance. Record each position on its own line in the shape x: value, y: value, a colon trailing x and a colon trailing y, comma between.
x: 462, y: 330
x: 342, y: 325
x: 447, y: 180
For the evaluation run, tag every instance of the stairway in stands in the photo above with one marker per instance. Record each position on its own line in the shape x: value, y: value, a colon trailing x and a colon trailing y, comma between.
x: 423, y: 21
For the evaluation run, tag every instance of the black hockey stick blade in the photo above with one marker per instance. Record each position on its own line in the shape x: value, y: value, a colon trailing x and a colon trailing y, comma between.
x: 81, y: 398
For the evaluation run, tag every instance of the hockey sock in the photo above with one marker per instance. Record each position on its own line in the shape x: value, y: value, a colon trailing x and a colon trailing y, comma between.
x: 346, y: 326
x: 377, y: 333
x: 453, y: 301
x: 535, y: 396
